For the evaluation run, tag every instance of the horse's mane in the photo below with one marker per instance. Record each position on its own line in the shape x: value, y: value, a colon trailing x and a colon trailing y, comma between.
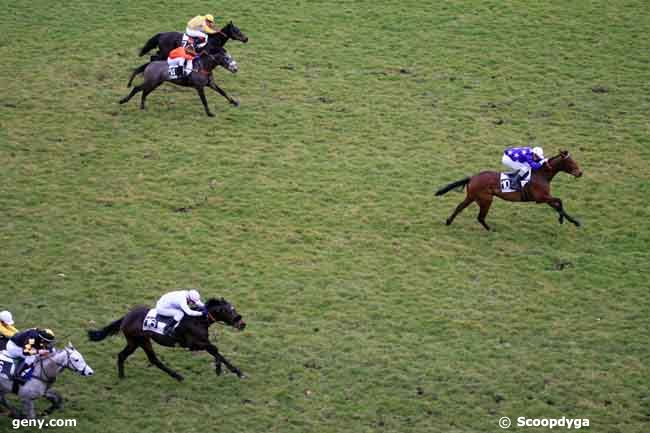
x: 215, y: 302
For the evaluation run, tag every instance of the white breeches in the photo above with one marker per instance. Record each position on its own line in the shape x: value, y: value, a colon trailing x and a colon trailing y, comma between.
x: 178, y: 61
x: 198, y: 35
x: 15, y: 351
x: 521, y: 167
x: 171, y: 312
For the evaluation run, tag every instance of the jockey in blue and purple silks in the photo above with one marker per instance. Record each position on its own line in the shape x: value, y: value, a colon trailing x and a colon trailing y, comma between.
x: 522, y: 160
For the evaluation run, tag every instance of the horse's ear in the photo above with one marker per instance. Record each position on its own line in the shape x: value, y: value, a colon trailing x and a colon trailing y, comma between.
x: 70, y: 346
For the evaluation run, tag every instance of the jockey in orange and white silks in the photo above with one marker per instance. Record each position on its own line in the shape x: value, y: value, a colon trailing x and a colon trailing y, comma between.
x: 177, y: 304
x: 199, y: 28
x: 182, y: 56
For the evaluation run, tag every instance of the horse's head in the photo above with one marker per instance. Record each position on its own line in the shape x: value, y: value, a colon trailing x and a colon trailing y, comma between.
x: 233, y: 32
x: 70, y: 358
x: 221, y: 310
x: 568, y: 165
x: 221, y: 57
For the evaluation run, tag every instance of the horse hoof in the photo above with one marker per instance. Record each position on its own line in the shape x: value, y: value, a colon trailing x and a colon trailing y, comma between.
x: 179, y: 378
x: 235, y: 103
x: 242, y: 376
x: 210, y: 114
x: 448, y: 222
x: 578, y: 224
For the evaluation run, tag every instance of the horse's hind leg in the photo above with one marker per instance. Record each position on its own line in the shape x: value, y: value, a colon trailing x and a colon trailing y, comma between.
x: 459, y: 209
x: 135, y: 90
x: 148, y: 349
x: 55, y: 399
x: 131, y: 346
x: 484, y: 203
x: 146, y: 92
x: 12, y: 409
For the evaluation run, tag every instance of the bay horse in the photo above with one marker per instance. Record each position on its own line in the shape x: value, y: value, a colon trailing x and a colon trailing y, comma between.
x: 191, y: 333
x: 167, y: 41
x: 482, y: 188
x: 157, y: 73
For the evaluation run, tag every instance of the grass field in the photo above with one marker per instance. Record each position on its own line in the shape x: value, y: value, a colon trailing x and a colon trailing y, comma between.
x: 311, y: 208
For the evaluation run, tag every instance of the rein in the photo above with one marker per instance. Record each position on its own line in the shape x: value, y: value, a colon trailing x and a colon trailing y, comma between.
x: 60, y: 367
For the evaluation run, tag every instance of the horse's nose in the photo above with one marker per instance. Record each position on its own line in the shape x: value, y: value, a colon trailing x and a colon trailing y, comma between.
x: 579, y: 174
x: 88, y: 371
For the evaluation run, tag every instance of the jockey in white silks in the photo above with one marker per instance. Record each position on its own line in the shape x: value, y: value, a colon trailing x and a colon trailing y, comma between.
x: 199, y: 28
x: 177, y: 304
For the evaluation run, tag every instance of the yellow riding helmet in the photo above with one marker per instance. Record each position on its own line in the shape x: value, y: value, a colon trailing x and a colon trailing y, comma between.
x: 209, y: 17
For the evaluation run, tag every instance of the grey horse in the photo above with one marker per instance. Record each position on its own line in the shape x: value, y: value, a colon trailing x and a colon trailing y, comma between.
x: 46, y: 370
x: 157, y: 73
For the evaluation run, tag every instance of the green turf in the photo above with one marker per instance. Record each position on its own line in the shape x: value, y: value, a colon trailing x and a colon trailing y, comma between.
x: 312, y: 210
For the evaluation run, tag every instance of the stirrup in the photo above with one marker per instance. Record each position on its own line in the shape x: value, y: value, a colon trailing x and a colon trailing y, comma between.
x: 170, y: 330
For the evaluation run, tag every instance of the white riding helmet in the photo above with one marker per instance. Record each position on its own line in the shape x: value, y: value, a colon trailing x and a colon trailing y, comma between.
x: 539, y: 152
x: 193, y: 295
x: 6, y: 317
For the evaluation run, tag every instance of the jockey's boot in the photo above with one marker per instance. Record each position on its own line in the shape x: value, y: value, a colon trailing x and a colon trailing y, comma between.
x: 516, y: 181
x: 20, y: 366
x: 170, y: 329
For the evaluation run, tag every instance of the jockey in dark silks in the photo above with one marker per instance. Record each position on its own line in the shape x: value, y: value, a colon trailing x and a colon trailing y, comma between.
x: 24, y: 347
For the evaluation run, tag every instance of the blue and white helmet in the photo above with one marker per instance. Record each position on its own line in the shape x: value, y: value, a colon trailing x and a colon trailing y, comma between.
x: 539, y: 152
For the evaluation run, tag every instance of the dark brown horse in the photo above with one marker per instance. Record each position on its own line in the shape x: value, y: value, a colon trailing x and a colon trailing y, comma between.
x: 482, y: 188
x: 192, y: 333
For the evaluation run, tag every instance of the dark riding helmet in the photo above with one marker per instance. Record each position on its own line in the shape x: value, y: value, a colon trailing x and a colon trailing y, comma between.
x: 46, y: 335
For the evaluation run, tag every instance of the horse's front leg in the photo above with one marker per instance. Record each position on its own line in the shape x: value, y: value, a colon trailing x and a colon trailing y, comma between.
x: 28, y: 408
x: 222, y: 92
x: 56, y: 400
x: 219, y: 358
x: 201, y: 93
x: 556, y: 204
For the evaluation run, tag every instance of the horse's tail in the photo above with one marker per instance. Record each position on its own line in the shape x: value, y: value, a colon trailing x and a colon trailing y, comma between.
x: 453, y: 185
x: 100, y: 334
x: 150, y: 45
x: 139, y: 70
